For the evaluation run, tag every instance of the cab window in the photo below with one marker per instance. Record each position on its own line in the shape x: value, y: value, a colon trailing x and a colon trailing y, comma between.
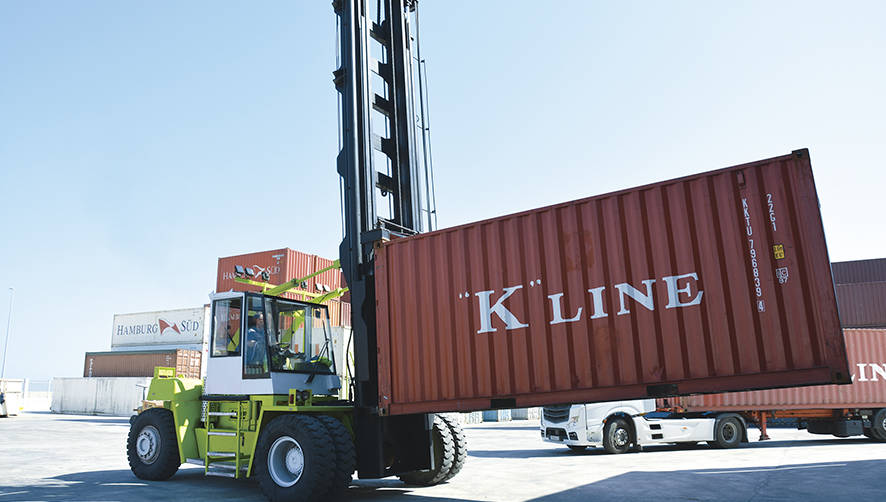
x: 226, y: 328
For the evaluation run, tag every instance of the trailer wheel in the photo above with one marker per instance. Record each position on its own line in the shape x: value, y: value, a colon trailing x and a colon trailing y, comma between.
x: 151, y: 448
x: 295, y: 458
x: 459, y: 445
x: 617, y: 436
x: 878, y: 425
x: 345, y: 457
x: 727, y: 433
x: 444, y: 453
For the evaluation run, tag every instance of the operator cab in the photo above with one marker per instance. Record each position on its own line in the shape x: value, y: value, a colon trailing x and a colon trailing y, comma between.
x: 269, y: 345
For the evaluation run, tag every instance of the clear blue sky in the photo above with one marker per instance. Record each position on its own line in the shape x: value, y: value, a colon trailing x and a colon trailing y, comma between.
x: 140, y: 141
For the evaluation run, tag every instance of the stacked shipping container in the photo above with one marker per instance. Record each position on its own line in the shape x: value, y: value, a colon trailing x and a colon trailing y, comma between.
x: 141, y: 363
x: 282, y: 265
x: 861, y: 292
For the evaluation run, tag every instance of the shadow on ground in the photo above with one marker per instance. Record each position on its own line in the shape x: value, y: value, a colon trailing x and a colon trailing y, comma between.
x: 188, y: 484
x: 807, y: 482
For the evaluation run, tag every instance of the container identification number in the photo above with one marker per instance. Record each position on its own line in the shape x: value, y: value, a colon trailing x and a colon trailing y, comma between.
x: 755, y: 269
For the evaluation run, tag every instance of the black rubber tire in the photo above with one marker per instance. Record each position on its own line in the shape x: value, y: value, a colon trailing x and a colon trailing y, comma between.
x: 444, y: 454
x: 575, y: 447
x: 345, y: 457
x: 868, y: 434
x: 318, y: 454
x: 459, y: 444
x: 727, y: 433
x: 878, y: 425
x: 158, y: 426
x: 617, y: 437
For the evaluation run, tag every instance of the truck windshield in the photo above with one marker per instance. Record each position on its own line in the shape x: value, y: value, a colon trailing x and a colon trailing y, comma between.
x: 299, y: 337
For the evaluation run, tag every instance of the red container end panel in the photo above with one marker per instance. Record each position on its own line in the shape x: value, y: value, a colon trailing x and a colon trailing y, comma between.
x: 714, y: 282
x: 862, y: 305
x: 867, y: 362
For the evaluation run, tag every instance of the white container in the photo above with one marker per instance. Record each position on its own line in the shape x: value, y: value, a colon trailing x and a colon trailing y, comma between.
x: 114, y: 396
x: 175, y: 328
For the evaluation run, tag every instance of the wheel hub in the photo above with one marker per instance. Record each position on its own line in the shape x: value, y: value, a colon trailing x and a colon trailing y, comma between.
x: 147, y: 445
x: 621, y: 437
x: 728, y: 432
x: 286, y: 461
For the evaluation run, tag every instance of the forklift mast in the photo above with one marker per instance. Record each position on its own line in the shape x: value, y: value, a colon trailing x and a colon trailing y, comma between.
x: 387, y: 191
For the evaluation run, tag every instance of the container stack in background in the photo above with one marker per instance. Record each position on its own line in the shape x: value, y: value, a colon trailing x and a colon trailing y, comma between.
x: 861, y: 298
x: 282, y: 265
x: 861, y: 292
x: 114, y: 381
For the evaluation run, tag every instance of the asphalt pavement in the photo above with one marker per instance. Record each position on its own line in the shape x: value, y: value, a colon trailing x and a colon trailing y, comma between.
x: 83, y: 458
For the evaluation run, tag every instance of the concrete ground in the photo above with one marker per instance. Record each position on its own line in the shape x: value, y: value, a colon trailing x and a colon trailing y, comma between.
x: 75, y: 458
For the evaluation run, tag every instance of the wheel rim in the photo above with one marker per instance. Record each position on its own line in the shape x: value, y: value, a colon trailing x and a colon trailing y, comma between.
x: 620, y: 437
x: 286, y: 461
x: 729, y: 432
x: 147, y: 445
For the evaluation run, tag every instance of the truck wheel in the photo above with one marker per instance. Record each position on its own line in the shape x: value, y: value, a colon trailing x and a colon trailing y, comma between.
x: 444, y: 453
x: 295, y: 458
x: 727, y: 433
x: 151, y: 447
x: 345, y: 457
x: 617, y: 436
x: 878, y: 425
x: 459, y: 445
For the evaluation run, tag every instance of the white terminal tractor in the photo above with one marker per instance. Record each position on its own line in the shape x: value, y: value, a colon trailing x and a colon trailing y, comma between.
x: 621, y: 426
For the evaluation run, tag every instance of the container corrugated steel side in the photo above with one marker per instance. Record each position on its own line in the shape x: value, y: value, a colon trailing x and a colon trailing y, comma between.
x: 862, y: 305
x: 444, y: 344
x: 850, y: 272
x: 867, y: 361
x: 142, y: 363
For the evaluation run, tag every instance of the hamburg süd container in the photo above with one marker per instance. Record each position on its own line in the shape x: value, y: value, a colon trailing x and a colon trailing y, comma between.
x: 714, y: 282
x: 867, y: 364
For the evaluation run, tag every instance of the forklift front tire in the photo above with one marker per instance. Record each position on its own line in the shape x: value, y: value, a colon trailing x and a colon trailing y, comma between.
x: 151, y: 447
x: 294, y: 459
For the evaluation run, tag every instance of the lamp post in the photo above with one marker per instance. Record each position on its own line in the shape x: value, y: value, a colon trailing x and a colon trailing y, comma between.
x: 8, y: 324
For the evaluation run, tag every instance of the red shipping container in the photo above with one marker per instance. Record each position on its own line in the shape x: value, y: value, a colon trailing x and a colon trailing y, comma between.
x: 862, y: 305
x: 281, y: 265
x: 713, y: 282
x: 141, y: 363
x: 867, y: 361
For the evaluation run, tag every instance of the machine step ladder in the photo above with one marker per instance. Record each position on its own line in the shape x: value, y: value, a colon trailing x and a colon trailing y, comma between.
x: 223, y: 459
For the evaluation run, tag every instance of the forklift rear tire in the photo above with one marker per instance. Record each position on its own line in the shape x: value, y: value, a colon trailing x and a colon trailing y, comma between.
x: 295, y: 458
x: 878, y: 425
x: 151, y: 448
x: 617, y: 437
x: 345, y: 457
x: 444, y: 454
x: 727, y: 433
x: 459, y: 445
